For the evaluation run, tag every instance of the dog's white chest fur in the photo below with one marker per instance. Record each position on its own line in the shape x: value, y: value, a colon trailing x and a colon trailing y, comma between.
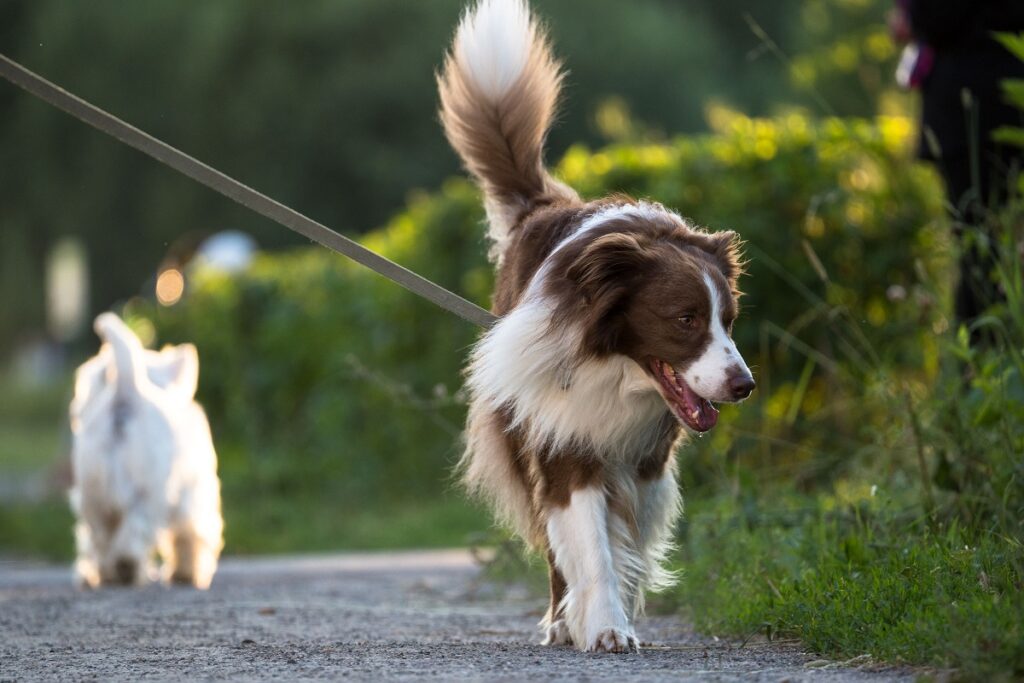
x: 608, y: 406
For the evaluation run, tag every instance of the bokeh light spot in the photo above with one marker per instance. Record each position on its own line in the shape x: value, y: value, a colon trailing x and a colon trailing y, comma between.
x: 170, y: 285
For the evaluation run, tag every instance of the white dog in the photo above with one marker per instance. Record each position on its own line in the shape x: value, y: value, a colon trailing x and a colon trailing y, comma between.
x: 145, y: 471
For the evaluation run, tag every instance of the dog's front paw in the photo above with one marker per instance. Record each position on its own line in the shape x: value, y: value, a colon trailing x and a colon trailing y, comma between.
x: 557, y: 634
x: 614, y: 640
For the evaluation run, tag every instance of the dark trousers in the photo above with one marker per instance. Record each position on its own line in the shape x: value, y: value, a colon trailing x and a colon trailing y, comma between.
x: 973, y: 196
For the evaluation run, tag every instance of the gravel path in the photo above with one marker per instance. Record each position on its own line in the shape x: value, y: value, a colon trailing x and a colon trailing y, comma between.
x: 396, y: 616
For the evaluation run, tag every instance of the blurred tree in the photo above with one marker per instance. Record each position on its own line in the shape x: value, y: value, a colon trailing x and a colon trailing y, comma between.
x: 304, y: 352
x: 328, y: 106
x: 842, y: 58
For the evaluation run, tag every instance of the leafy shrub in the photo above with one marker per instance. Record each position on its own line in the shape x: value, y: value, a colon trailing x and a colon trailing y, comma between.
x: 1013, y: 90
x: 327, y: 106
x: 846, y: 244
x: 920, y: 566
x: 332, y: 377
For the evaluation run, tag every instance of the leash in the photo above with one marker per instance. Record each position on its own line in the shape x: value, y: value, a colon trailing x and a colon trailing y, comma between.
x: 242, y: 194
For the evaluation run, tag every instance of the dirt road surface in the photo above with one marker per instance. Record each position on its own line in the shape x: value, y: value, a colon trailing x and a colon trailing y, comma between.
x: 396, y: 616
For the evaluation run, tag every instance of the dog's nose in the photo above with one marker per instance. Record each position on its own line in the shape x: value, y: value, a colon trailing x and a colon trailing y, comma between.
x: 741, y: 386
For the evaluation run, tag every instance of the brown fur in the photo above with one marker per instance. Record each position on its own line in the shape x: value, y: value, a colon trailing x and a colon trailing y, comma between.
x: 655, y: 463
x: 655, y: 263
x: 550, y: 477
x: 597, y: 278
x: 626, y: 283
x: 501, y: 142
x: 557, y: 587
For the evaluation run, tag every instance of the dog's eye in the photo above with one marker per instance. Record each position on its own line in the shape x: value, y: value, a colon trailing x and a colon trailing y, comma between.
x: 687, y: 320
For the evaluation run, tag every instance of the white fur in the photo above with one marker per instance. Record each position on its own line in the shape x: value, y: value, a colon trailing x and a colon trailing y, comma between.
x: 493, y: 44
x: 556, y: 632
x: 708, y: 375
x: 145, y: 471
x: 607, y: 405
x: 528, y: 370
x: 610, y: 407
x: 609, y: 560
x: 613, y: 212
x: 579, y: 536
x: 175, y: 368
x: 659, y: 505
x: 641, y: 540
x: 627, y: 556
x: 487, y: 471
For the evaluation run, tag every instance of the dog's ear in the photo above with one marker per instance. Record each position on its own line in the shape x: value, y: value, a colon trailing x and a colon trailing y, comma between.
x: 604, y: 274
x: 726, y: 250
x: 607, y: 264
x: 181, y: 373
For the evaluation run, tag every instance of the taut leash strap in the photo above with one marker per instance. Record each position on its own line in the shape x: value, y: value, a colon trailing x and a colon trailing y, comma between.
x: 242, y: 194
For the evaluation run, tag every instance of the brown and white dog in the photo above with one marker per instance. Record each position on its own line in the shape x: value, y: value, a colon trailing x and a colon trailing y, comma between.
x: 614, y: 331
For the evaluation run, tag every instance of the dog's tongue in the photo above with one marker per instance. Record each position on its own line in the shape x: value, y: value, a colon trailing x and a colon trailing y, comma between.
x: 703, y: 416
x: 697, y: 412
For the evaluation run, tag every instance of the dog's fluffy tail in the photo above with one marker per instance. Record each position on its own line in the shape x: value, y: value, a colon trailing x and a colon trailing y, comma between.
x: 129, y: 368
x: 499, y: 87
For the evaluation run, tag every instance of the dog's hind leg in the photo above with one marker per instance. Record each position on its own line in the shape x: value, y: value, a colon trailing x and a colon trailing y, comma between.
x: 579, y: 538
x: 194, y: 558
x: 554, y: 625
x: 87, y: 564
x: 198, y: 536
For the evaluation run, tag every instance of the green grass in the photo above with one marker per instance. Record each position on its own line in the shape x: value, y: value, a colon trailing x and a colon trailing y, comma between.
x: 281, y: 526
x: 42, y: 530
x: 276, y: 503
x: 33, y: 426
x: 279, y: 502
x: 33, y: 439
x: 272, y: 502
x: 855, y: 578
x: 28, y: 447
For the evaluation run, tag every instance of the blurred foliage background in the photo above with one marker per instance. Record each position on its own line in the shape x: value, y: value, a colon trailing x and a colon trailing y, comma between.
x: 878, y: 446
x: 331, y: 109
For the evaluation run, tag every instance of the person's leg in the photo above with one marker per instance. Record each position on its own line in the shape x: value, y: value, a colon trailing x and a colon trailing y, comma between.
x: 974, y: 196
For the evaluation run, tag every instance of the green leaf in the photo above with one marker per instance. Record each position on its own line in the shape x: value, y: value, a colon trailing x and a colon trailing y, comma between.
x: 1014, y: 42
x: 1009, y: 136
x: 1013, y: 92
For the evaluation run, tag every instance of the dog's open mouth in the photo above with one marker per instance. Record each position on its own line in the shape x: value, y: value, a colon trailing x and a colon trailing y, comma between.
x: 694, y: 411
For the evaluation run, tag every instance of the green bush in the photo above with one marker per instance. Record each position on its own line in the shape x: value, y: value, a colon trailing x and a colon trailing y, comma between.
x: 846, y: 244
x: 328, y: 106
x: 916, y: 553
x: 336, y: 381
